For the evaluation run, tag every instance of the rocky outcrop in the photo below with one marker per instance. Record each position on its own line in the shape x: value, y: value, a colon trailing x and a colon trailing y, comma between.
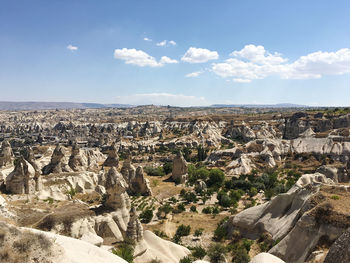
x: 23, y: 179
x: 6, y: 154
x: 266, y: 258
x: 128, y: 171
x: 41, y: 246
x: 116, y: 186
x: 340, y: 250
x: 28, y: 155
x: 113, y: 158
x: 299, y: 218
x: 57, y: 163
x: 140, y: 185
x: 180, y: 170
x: 299, y: 122
x: 153, y: 247
x: 134, y: 230
x: 77, y: 161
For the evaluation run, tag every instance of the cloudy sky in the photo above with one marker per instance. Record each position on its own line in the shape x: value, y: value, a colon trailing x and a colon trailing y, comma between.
x: 197, y: 52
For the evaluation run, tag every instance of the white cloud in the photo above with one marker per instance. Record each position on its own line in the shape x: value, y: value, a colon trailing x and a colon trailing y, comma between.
x: 72, y: 48
x: 318, y: 64
x: 162, y: 99
x: 199, y: 55
x: 167, y: 60
x: 194, y: 74
x: 165, y: 43
x: 141, y: 58
x: 254, y: 62
x: 136, y: 57
x: 241, y: 80
x: 259, y: 55
x: 147, y: 39
x: 162, y: 44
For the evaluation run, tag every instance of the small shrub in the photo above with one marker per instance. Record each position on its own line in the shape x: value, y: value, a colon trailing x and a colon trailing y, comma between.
x: 183, y: 230
x: 335, y: 197
x: 126, y: 252
x: 146, y: 216
x: 207, y: 210
x: 193, y: 208
x: 240, y: 255
x: 167, y: 167
x: 216, y: 178
x: 154, y: 171
x: 198, y: 252
x: 198, y: 232
x: 186, y: 260
x: 216, y: 253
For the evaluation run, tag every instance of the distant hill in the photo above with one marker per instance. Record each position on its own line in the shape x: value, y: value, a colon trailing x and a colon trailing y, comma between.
x: 35, y: 105
x: 280, y: 105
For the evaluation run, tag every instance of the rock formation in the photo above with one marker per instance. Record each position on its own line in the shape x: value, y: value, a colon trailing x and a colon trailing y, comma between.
x: 128, y: 170
x: 116, y: 186
x: 153, y: 247
x: 57, y: 164
x: 298, y: 218
x: 180, y: 170
x: 22, y: 180
x: 340, y: 250
x: 140, y: 184
x: 6, y: 154
x: 134, y: 230
x: 77, y: 161
x: 113, y: 158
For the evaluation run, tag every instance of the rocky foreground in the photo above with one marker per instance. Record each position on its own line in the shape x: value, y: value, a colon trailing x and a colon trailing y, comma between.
x: 173, y: 185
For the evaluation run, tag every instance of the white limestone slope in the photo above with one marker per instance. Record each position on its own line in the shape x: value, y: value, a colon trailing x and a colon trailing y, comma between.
x: 78, y: 251
x: 154, y: 247
x: 266, y: 258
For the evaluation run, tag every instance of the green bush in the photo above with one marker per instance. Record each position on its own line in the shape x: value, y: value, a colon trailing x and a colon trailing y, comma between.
x: 216, y: 178
x: 183, y: 230
x: 166, y: 209
x: 198, y: 232
x: 167, y: 167
x: 216, y: 253
x: 186, y: 260
x: 126, y: 252
x: 198, y: 252
x: 193, y: 208
x: 220, y: 233
x: 146, y: 216
x: 207, y: 210
x: 240, y: 256
x: 154, y: 171
x: 180, y: 208
x: 190, y: 197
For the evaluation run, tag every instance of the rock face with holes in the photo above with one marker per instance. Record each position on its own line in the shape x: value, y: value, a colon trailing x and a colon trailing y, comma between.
x: 134, y: 230
x: 77, y: 161
x: 57, y: 163
x: 28, y: 155
x: 128, y: 171
x: 340, y: 250
x: 140, y: 184
x: 112, y: 159
x: 116, y: 188
x: 23, y: 179
x: 6, y: 154
x: 180, y: 170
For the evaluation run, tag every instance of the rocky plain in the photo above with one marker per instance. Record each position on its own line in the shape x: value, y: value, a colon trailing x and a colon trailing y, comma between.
x: 154, y: 184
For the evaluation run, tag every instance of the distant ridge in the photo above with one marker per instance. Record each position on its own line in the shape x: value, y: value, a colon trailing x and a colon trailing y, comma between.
x: 36, y: 105
x: 280, y: 105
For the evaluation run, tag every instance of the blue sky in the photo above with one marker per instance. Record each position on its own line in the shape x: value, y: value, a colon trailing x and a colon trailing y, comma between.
x: 215, y: 51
